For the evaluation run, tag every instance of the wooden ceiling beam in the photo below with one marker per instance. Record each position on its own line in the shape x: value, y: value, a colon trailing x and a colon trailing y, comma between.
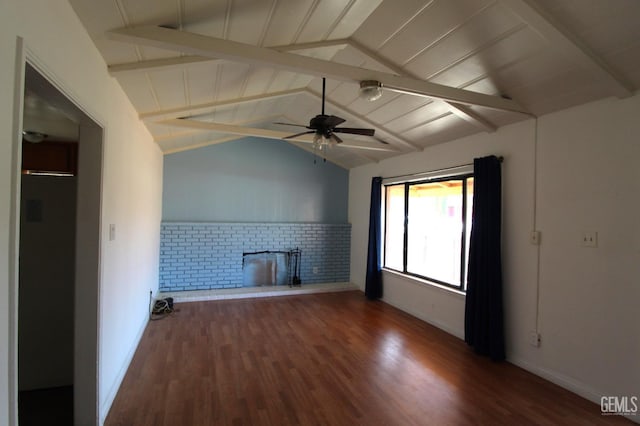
x: 568, y: 44
x: 461, y: 111
x: 163, y: 115
x: 311, y: 45
x: 177, y: 136
x: 268, y: 134
x: 166, y: 63
x: 470, y: 116
x: 236, y: 137
x: 179, y: 61
x: 192, y: 110
x: 196, y: 44
x: 156, y: 64
x: 217, y: 141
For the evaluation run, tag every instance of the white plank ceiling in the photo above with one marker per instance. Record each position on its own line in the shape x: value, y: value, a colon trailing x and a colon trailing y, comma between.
x: 493, y: 58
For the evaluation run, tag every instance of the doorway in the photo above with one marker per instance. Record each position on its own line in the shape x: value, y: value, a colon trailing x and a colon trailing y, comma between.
x: 59, y: 257
x: 46, y: 294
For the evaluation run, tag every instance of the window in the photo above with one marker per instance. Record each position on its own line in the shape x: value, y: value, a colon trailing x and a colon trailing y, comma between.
x: 427, y: 227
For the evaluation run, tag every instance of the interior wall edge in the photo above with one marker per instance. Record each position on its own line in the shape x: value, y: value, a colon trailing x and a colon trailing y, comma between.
x: 14, y: 230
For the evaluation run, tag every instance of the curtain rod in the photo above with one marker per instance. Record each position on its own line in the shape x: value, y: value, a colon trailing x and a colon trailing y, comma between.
x: 500, y: 158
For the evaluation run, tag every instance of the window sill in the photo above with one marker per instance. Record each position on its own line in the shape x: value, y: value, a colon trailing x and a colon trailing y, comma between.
x: 420, y: 281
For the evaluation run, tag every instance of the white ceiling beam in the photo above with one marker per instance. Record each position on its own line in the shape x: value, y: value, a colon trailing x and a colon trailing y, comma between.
x: 229, y: 138
x: 311, y: 45
x: 379, y: 59
x: 156, y: 64
x: 268, y: 134
x: 204, y: 108
x: 568, y: 44
x: 175, y: 135
x: 200, y: 144
x: 472, y: 117
x: 460, y: 110
x: 195, y: 44
x: 166, y: 63
x: 189, y: 131
x: 179, y: 61
x: 169, y: 139
x: 190, y: 111
x: 178, y: 137
x: 236, y: 137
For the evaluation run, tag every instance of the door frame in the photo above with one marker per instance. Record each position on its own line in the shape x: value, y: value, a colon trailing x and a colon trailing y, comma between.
x: 88, y: 270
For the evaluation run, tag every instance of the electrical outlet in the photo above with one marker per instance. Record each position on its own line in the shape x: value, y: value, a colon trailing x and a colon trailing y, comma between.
x: 590, y: 239
x: 535, y: 238
x: 316, y: 269
x: 535, y: 339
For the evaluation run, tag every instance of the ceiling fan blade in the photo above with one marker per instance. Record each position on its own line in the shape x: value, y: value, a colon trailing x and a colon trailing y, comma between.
x: 290, y: 124
x: 332, y: 121
x: 299, y: 134
x: 335, y: 137
x: 355, y: 131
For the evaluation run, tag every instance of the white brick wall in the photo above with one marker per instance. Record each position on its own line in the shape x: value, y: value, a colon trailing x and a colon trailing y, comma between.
x: 202, y: 256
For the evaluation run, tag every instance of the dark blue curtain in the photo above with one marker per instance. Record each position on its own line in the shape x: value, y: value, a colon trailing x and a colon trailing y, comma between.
x: 483, y: 322
x: 373, y: 283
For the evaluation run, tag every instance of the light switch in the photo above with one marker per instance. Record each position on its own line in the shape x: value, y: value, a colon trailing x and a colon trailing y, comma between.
x: 590, y: 239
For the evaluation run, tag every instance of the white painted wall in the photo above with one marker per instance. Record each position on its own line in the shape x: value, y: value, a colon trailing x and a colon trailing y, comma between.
x: 132, y: 184
x: 587, y: 180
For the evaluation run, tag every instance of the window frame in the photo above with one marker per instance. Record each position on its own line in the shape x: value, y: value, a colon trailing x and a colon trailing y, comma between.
x: 463, y: 176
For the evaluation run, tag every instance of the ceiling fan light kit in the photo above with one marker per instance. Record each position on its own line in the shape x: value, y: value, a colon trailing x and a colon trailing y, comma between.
x: 370, y: 90
x: 321, y: 141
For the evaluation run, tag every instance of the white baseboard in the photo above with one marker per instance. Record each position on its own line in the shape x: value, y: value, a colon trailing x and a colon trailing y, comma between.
x: 565, y: 382
x: 111, y: 395
x: 429, y: 321
x: 559, y: 379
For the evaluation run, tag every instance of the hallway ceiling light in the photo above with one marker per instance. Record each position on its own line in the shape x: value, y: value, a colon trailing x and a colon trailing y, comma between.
x: 33, y: 137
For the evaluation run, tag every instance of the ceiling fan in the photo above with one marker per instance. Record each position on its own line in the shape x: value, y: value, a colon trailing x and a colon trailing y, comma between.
x: 324, y: 127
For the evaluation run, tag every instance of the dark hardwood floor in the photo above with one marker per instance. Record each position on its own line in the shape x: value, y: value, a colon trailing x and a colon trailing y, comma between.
x: 326, y: 359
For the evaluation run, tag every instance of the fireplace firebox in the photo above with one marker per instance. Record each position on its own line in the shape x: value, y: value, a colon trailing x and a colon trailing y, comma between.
x: 271, y: 268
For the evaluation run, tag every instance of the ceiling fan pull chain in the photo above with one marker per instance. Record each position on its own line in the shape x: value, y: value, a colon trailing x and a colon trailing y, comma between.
x: 315, y: 153
x: 323, y: 89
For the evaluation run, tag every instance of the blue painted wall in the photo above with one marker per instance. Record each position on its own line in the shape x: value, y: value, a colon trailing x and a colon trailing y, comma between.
x: 253, y: 180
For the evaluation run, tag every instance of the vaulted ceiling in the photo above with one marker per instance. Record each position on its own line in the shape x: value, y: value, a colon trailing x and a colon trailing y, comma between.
x: 202, y: 72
